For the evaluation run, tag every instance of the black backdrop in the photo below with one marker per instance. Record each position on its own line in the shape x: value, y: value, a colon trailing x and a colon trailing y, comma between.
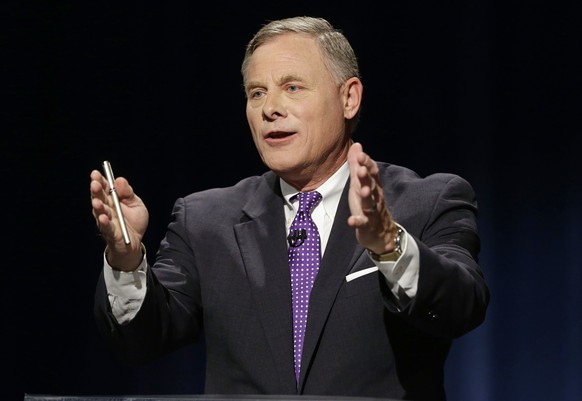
x: 486, y: 89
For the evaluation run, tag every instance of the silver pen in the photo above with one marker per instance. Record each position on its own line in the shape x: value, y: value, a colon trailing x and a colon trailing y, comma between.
x: 111, y: 180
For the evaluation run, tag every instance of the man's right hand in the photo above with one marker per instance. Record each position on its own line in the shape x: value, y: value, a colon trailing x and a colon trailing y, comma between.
x: 119, y: 255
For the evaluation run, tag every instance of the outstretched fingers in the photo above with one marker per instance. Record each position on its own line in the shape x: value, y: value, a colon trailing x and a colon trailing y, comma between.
x: 365, y: 193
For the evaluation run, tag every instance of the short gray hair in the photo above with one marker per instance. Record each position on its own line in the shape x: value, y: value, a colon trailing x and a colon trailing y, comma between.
x: 337, y: 51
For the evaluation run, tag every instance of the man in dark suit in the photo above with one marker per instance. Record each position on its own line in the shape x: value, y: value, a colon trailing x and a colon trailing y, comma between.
x: 398, y: 277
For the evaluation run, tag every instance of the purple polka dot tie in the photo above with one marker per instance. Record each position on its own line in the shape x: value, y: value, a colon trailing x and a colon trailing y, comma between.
x: 304, y: 256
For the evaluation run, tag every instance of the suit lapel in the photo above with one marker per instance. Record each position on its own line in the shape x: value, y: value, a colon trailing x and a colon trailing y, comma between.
x: 342, y: 246
x: 262, y: 243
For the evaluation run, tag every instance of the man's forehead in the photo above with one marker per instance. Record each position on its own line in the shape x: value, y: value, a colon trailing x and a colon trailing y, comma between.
x: 280, y: 59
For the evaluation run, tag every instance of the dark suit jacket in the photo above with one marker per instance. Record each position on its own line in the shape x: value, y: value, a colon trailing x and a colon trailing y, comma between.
x: 222, y: 270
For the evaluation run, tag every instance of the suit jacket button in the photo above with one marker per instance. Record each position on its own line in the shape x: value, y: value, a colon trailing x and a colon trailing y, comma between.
x: 432, y: 315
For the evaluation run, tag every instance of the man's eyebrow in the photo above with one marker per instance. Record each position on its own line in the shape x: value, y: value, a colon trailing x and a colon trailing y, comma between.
x: 288, y: 78
x: 251, y: 84
x: 281, y: 81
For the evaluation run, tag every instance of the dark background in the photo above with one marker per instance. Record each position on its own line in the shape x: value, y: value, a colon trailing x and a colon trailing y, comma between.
x: 489, y: 90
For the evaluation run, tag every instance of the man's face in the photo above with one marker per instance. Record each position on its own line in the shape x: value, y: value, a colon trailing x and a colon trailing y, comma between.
x: 295, y: 110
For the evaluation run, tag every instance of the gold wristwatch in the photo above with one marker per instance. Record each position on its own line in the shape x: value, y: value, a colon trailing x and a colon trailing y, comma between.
x: 395, y: 254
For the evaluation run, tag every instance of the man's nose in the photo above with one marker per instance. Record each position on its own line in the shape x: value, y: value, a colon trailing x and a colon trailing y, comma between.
x: 274, y: 106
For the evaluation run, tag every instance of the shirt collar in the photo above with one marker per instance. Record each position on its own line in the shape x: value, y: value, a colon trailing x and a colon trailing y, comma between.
x: 331, y: 190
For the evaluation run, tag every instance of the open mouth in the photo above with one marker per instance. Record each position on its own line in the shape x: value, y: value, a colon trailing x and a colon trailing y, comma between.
x: 279, y: 135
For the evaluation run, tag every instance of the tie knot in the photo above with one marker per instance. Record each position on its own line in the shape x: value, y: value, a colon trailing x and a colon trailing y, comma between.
x: 307, y: 200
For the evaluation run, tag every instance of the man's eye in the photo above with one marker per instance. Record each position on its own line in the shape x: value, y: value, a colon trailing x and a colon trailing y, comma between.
x: 256, y: 95
x: 293, y: 88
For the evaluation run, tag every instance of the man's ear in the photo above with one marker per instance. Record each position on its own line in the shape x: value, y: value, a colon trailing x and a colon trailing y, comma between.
x: 352, y: 97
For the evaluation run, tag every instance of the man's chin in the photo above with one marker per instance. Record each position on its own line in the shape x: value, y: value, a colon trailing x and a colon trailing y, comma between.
x: 282, y: 162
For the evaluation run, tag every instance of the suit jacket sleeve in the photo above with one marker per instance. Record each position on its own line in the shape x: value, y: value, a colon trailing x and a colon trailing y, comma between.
x: 440, y: 212
x: 170, y: 315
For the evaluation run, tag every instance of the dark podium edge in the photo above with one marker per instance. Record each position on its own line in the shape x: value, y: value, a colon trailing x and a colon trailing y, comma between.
x: 214, y: 397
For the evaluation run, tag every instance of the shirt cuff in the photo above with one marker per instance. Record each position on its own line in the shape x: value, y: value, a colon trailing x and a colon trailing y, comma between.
x: 126, y: 290
x: 402, y: 274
